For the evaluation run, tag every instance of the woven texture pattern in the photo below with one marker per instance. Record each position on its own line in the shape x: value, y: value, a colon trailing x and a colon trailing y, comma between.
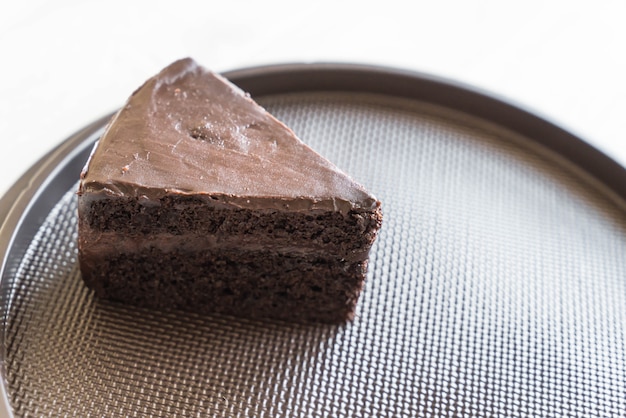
x: 497, y: 288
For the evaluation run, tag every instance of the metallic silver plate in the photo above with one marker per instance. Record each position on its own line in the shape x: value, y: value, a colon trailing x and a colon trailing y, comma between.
x: 496, y: 288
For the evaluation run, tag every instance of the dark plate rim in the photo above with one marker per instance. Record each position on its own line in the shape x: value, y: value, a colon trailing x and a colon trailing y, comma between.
x: 33, y: 189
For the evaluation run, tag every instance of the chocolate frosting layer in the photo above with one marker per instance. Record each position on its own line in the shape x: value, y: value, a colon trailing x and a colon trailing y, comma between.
x: 99, y: 244
x: 190, y: 131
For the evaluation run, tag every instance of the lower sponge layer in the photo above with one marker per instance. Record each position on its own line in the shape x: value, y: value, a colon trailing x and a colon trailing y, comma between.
x: 252, y: 284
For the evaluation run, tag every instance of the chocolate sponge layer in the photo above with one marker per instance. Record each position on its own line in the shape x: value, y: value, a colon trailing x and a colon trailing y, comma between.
x: 177, y: 215
x: 252, y: 284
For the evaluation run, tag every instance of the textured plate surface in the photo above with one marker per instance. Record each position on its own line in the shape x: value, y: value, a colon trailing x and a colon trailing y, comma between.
x: 496, y: 288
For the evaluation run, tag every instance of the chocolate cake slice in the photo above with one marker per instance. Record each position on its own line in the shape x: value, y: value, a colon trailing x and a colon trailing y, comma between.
x: 196, y: 198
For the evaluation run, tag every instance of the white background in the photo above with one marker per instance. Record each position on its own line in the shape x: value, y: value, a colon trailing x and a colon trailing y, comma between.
x: 65, y: 63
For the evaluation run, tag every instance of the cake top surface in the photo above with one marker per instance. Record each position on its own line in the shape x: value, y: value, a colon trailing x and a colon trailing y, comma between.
x: 189, y: 131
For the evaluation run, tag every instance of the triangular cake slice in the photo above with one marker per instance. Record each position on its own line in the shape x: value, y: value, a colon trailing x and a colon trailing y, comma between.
x: 196, y: 198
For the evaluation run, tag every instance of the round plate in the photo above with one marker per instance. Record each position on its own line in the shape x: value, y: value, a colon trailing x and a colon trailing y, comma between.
x: 495, y: 288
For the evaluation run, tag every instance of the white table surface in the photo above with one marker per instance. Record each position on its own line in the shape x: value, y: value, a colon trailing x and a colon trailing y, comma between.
x: 65, y: 63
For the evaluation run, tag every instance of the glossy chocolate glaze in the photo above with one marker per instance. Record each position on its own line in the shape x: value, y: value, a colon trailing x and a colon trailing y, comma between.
x: 189, y: 131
